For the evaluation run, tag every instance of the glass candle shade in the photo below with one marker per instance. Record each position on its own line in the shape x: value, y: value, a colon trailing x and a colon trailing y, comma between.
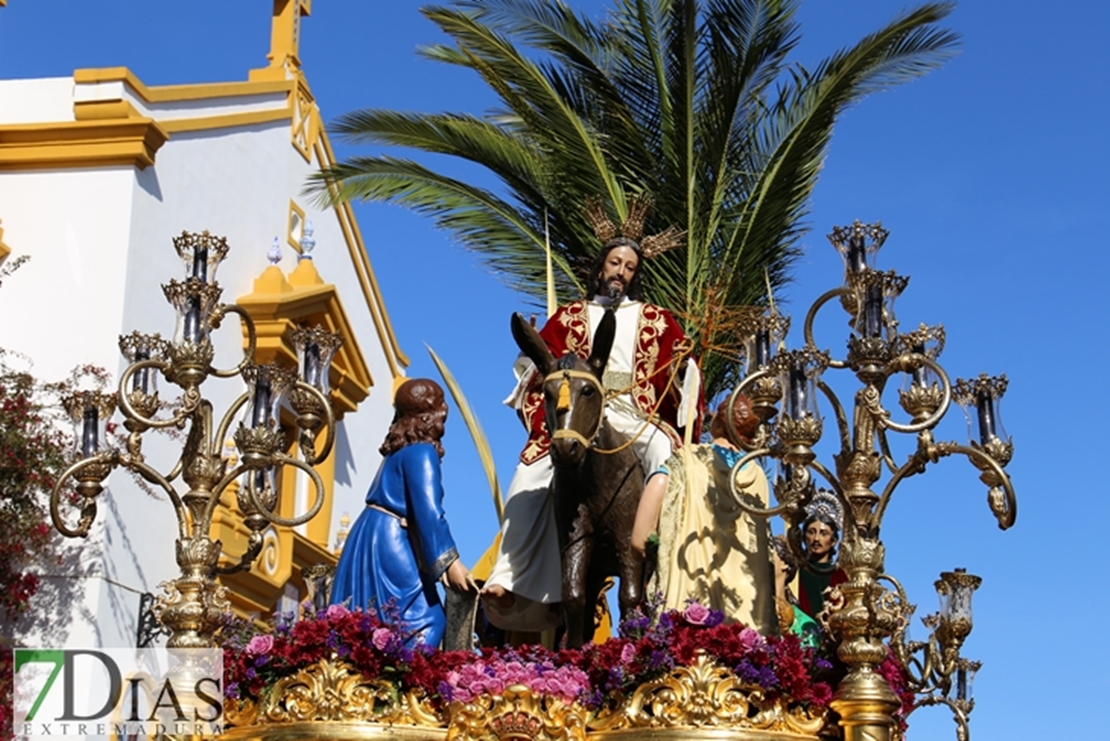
x: 799, y: 371
x: 875, y: 293
x: 137, y: 347
x: 927, y: 341
x: 316, y: 347
x: 193, y: 300
x: 201, y: 254
x: 955, y: 589
x: 981, y: 400
x: 89, y: 412
x: 765, y: 333
x: 267, y: 386
x: 858, y: 244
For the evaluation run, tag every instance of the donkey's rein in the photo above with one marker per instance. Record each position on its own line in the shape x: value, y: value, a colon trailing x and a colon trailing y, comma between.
x: 564, y: 377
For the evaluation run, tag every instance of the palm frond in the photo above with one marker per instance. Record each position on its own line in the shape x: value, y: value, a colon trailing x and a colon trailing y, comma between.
x: 692, y: 102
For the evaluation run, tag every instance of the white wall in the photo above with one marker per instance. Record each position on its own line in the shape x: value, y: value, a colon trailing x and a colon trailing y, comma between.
x: 101, y: 247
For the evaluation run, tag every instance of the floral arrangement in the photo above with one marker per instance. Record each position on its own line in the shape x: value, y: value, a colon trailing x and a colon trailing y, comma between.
x: 653, y: 641
x: 650, y: 644
x: 254, y: 661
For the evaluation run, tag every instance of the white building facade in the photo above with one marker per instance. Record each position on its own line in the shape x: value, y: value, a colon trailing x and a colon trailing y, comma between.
x: 98, y: 174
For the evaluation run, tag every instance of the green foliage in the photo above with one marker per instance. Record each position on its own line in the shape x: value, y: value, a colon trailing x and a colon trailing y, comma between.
x: 693, y: 103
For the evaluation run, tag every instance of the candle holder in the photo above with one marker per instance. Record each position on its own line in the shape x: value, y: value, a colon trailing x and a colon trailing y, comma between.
x: 194, y: 603
x: 922, y: 393
x: 937, y: 673
x: 867, y: 614
x: 315, y: 347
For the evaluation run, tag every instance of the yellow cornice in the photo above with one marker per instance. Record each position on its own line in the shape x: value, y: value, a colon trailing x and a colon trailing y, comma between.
x: 95, y: 143
x: 175, y: 125
x: 360, y: 259
x: 104, y: 110
x: 173, y: 93
x: 279, y: 304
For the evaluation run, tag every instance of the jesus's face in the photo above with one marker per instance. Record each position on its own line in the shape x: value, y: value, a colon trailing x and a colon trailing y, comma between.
x: 618, y: 270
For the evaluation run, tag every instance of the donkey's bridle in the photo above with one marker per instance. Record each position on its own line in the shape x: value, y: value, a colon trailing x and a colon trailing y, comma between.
x: 562, y: 403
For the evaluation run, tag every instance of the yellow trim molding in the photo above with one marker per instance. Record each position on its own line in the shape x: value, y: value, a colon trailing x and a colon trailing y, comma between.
x: 5, y: 250
x: 175, y: 93
x: 96, y: 143
x: 360, y: 260
x: 278, y: 305
x: 294, y: 229
x: 306, y: 119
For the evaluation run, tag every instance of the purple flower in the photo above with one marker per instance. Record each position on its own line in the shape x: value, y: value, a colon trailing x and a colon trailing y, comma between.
x: 716, y: 617
x: 660, y: 660
x: 696, y: 614
x: 446, y: 691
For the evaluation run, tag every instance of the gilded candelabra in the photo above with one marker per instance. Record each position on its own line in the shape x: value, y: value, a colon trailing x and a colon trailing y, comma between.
x: 869, y: 612
x: 194, y: 604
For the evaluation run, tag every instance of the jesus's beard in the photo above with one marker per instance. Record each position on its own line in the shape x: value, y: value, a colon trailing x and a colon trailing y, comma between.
x: 615, y: 289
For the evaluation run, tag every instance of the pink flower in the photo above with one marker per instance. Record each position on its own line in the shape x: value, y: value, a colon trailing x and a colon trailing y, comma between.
x: 260, y: 645
x: 696, y: 614
x: 628, y: 653
x: 336, y: 611
x: 380, y: 637
x: 750, y: 638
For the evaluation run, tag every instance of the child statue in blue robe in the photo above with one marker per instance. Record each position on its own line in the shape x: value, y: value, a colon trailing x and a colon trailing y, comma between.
x: 400, y: 546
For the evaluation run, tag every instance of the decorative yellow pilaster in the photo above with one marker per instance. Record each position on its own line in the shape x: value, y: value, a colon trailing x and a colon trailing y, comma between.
x: 5, y: 250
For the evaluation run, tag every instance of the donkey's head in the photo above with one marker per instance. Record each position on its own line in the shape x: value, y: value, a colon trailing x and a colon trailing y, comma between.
x: 573, y: 394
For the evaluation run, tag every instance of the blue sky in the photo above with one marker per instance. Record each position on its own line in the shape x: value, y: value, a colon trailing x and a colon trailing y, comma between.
x: 990, y: 175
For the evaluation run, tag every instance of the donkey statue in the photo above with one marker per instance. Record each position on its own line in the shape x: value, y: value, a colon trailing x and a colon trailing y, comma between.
x: 598, y: 479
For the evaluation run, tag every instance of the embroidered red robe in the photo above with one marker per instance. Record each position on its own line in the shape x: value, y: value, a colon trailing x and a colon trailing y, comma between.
x: 658, y: 336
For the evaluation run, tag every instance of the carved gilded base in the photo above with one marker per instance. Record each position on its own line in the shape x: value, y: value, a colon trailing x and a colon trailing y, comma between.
x: 330, y: 694
x: 705, y: 701
x: 333, y: 731
x: 517, y: 715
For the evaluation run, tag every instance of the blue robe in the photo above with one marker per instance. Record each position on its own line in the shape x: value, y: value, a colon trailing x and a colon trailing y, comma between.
x: 387, y: 562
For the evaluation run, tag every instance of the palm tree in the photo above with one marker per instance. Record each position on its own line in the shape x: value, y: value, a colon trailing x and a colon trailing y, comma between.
x: 691, y: 103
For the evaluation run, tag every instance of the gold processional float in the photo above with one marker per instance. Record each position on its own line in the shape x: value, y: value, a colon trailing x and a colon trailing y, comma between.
x: 866, y: 617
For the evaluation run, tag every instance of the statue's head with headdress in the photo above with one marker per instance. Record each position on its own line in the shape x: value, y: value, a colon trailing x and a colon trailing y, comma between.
x: 420, y: 412
x: 617, y: 269
x: 822, y: 526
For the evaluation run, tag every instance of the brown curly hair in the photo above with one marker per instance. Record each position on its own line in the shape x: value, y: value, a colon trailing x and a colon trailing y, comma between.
x: 419, y: 414
x: 744, y: 420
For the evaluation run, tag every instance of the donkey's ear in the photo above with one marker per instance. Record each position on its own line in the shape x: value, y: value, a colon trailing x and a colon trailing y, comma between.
x: 531, y: 344
x: 603, y: 342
